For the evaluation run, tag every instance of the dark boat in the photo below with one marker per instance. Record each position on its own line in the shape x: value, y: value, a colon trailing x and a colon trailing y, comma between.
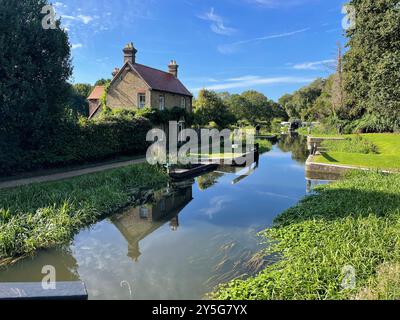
x: 194, y: 171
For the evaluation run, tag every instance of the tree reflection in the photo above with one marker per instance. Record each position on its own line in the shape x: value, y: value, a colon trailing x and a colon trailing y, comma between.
x: 208, y: 180
x: 296, y: 144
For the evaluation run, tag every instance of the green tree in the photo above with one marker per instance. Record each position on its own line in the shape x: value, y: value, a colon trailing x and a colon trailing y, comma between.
x: 102, y: 82
x: 239, y: 106
x: 77, y: 100
x: 261, y: 107
x: 209, y: 107
x: 299, y: 105
x: 254, y: 107
x: 372, y: 64
x: 34, y: 68
x: 83, y: 89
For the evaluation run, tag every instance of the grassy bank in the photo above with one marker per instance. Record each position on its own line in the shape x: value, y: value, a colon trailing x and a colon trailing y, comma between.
x: 387, y: 155
x: 45, y: 215
x: 352, y: 223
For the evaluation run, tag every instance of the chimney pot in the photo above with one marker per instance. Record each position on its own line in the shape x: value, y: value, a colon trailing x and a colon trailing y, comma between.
x: 173, y: 68
x: 130, y: 53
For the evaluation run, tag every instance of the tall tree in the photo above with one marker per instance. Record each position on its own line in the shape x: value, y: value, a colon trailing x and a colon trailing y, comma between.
x: 209, y: 107
x: 83, y: 89
x: 34, y: 68
x: 261, y: 107
x: 337, y: 90
x: 299, y: 104
x: 372, y: 63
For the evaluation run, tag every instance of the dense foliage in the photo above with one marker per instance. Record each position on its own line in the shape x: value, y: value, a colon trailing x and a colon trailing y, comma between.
x: 356, y: 144
x: 372, y: 65
x: 224, y: 109
x: 348, y: 225
x: 34, y: 68
x: 84, y: 141
x: 210, y: 108
x: 77, y: 101
x: 162, y: 117
x: 42, y: 116
x: 312, y: 102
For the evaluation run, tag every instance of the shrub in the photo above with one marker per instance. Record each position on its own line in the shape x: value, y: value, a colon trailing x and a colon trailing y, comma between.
x: 158, y: 117
x: 355, y: 144
x: 82, y: 141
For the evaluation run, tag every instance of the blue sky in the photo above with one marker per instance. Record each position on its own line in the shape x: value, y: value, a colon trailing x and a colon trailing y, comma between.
x: 273, y: 46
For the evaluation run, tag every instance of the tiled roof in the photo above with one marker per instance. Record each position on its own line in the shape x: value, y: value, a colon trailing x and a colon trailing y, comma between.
x: 96, y: 93
x: 160, y: 80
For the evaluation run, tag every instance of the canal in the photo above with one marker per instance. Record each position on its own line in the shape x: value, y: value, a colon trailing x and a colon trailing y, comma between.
x: 187, y: 239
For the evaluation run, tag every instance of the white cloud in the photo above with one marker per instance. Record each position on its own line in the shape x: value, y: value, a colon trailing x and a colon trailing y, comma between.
x: 85, y: 19
x: 252, y: 81
x: 76, y: 46
x: 217, y: 23
x: 316, y: 65
x: 216, y: 205
x: 58, y: 5
x: 233, y: 47
x: 82, y: 18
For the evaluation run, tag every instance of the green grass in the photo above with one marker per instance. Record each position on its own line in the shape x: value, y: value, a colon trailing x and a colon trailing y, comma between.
x: 354, y: 222
x: 45, y: 215
x: 356, y: 144
x: 388, y: 147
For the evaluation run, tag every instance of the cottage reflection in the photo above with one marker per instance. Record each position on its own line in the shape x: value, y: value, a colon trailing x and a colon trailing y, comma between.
x: 137, y: 223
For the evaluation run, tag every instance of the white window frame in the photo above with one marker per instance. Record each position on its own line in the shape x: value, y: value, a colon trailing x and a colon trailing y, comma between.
x: 161, y: 100
x: 141, y: 104
x: 183, y: 103
x: 181, y: 127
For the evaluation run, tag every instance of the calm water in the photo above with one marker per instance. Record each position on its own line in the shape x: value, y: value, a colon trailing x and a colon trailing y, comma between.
x: 193, y: 236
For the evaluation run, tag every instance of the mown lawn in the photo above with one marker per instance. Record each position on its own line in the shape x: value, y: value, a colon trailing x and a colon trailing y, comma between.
x: 45, y: 215
x: 387, y: 158
x: 348, y: 226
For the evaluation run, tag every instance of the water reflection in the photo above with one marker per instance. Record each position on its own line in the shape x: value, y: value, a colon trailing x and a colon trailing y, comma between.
x: 182, y: 240
x: 137, y: 223
x: 296, y: 144
x: 30, y: 269
x: 209, y: 180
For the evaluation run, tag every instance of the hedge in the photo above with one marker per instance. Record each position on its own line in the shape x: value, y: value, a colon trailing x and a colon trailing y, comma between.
x: 77, y: 143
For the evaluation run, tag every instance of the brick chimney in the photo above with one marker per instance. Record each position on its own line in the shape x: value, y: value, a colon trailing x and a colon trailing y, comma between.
x: 173, y: 68
x: 130, y: 53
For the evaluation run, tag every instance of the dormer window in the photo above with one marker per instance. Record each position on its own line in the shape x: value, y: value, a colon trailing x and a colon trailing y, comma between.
x: 142, y: 100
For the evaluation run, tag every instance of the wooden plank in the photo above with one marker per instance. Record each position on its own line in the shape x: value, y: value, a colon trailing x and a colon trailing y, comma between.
x: 34, y: 291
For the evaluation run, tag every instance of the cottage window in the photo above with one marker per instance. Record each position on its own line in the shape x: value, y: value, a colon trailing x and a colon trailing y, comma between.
x: 162, y: 102
x: 183, y: 103
x: 142, y: 100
